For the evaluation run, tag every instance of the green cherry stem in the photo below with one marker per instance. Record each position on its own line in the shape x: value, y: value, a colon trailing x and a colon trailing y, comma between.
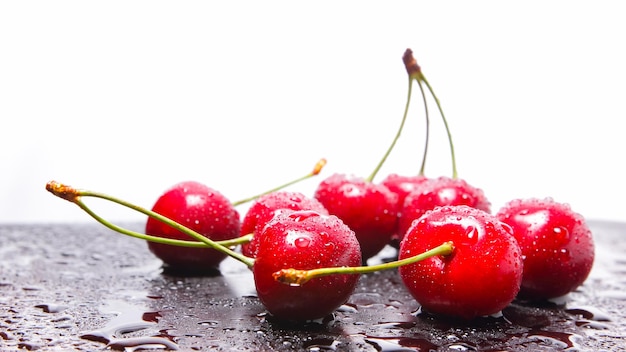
x: 445, y: 122
x: 75, y: 196
x: 236, y: 241
x: 316, y: 170
x: 371, y: 177
x: 169, y: 241
x: 427, y: 137
x: 295, y: 277
x: 415, y: 73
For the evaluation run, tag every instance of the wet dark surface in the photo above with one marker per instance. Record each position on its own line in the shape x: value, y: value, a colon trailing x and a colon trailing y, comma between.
x: 86, y: 288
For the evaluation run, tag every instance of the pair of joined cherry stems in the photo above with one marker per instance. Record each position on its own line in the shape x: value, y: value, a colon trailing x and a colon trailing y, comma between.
x: 288, y: 276
x: 380, y: 213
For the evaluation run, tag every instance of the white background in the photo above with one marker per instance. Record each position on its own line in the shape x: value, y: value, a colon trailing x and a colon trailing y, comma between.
x: 130, y: 97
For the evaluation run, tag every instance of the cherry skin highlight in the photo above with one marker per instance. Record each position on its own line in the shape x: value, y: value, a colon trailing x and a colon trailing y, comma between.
x: 437, y: 192
x: 557, y: 246
x: 369, y: 209
x: 305, y: 240
x: 265, y: 207
x: 482, y: 275
x: 201, y: 209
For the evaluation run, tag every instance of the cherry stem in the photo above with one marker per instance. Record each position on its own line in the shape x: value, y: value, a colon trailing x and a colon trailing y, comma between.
x: 74, y: 195
x: 427, y: 138
x: 395, y: 139
x: 295, y: 277
x: 316, y: 170
x: 415, y: 72
x: 169, y: 241
x: 445, y: 122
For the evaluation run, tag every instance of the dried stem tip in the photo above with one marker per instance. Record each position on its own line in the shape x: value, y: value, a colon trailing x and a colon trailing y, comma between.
x: 62, y: 191
x: 318, y: 167
x: 412, y: 68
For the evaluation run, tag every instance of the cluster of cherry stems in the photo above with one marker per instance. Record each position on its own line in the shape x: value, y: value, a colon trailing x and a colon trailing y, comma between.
x: 455, y: 257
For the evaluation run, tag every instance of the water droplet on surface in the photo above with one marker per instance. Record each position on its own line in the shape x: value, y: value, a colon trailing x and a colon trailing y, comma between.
x: 348, y: 308
x: 561, y: 340
x: 321, y: 344
x: 129, y: 319
x: 589, y: 312
x: 461, y: 347
x: 400, y: 344
x: 208, y: 323
x: 51, y: 308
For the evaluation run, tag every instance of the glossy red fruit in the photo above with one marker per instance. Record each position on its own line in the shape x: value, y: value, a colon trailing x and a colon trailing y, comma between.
x: 402, y: 186
x: 437, y: 192
x: 305, y: 240
x: 264, y: 208
x: 369, y: 209
x: 481, y: 277
x: 200, y: 208
x: 557, y: 246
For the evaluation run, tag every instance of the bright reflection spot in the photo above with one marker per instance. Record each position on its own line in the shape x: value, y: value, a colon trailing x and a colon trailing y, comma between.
x: 194, y: 199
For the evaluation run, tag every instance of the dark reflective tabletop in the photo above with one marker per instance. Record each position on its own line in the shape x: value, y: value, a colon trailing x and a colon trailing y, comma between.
x: 83, y: 287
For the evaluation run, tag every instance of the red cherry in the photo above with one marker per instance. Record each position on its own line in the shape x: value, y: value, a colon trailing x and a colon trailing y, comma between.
x: 402, y: 186
x: 369, y: 209
x: 206, y: 211
x: 439, y: 192
x: 265, y: 207
x: 203, y: 210
x: 557, y: 246
x: 481, y: 277
x: 305, y: 240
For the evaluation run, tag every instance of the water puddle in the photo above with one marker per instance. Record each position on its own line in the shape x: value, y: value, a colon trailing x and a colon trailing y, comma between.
x: 117, y: 334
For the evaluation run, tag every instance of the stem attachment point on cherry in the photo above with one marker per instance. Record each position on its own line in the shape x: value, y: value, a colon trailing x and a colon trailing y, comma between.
x: 295, y: 277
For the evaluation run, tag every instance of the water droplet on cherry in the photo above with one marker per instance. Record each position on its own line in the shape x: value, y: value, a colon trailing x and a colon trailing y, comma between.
x: 303, y: 215
x: 470, y: 232
x: 302, y: 242
x: 561, y: 234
